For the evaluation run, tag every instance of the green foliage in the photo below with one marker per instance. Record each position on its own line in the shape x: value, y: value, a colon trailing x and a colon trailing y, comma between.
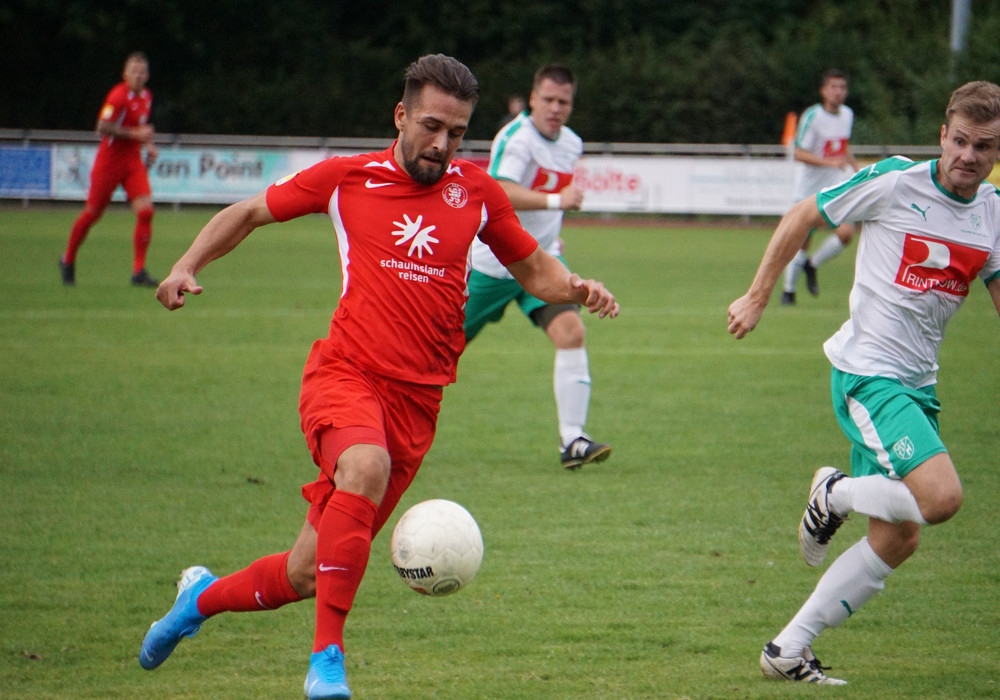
x: 135, y: 442
x: 650, y: 71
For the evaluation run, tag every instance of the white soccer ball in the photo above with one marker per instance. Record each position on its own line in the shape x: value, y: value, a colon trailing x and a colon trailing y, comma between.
x: 436, y: 547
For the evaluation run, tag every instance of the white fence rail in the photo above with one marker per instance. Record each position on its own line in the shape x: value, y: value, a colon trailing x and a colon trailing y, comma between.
x: 616, y: 177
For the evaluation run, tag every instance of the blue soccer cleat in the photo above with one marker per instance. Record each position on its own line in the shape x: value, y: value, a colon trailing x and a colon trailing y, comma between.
x: 326, y: 678
x: 183, y: 620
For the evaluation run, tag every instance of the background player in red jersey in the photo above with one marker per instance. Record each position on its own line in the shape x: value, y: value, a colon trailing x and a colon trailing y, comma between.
x: 405, y: 219
x: 123, y: 124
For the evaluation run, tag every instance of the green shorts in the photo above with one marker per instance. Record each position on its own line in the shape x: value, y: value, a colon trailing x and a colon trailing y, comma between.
x: 892, y: 428
x: 489, y: 296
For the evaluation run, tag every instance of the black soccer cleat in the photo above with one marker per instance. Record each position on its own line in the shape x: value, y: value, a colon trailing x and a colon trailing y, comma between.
x: 142, y: 278
x: 812, y: 284
x: 582, y: 451
x: 68, y: 273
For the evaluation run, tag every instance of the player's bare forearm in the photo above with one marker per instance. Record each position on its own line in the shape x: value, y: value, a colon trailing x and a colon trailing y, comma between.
x: 791, y: 233
x: 547, y: 278
x: 994, y: 289
x: 143, y: 133
x: 523, y: 198
x: 219, y: 236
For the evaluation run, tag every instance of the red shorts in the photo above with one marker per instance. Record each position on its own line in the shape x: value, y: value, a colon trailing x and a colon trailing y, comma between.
x: 109, y: 172
x: 343, y: 405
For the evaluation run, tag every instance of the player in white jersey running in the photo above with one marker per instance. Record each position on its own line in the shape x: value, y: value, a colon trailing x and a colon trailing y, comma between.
x: 931, y: 229
x: 533, y: 158
x: 823, y: 159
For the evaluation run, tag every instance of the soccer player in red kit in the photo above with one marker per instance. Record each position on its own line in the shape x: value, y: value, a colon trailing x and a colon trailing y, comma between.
x: 405, y: 219
x: 125, y: 129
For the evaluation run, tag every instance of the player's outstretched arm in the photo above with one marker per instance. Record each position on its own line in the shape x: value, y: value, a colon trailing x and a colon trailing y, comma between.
x: 524, y: 198
x: 745, y: 312
x: 220, y: 235
x: 543, y: 276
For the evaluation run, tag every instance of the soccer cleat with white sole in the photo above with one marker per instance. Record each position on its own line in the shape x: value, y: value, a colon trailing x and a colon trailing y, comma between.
x: 805, y: 668
x: 183, y: 620
x: 327, y: 679
x: 819, y: 522
x: 582, y: 451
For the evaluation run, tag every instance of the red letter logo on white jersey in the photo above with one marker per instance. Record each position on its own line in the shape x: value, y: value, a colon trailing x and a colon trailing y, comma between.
x: 942, y: 266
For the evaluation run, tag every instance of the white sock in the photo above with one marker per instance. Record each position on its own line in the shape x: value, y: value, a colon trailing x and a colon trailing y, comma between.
x: 856, y: 576
x: 794, y: 269
x: 831, y: 248
x: 571, y: 382
x: 877, y: 497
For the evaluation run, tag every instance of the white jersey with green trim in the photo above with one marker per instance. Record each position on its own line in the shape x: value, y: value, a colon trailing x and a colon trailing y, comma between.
x: 920, y: 250
x: 522, y: 155
x: 826, y: 135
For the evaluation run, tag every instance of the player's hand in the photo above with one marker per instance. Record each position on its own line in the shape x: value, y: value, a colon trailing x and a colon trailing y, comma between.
x: 598, y: 299
x: 836, y: 162
x: 570, y: 197
x: 744, y: 315
x: 171, y: 291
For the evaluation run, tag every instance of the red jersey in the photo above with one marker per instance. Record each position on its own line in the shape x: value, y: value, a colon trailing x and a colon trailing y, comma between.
x: 124, y: 108
x: 404, y: 255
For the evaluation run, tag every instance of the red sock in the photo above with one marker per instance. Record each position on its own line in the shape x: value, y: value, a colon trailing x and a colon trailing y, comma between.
x: 141, y: 237
x: 81, y: 227
x: 342, y: 549
x: 261, y: 586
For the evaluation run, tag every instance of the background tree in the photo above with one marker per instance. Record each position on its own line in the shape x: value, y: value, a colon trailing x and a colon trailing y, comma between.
x: 697, y: 71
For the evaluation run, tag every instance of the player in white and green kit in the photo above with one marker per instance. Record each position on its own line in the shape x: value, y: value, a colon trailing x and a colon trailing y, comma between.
x: 823, y: 158
x: 533, y: 158
x: 930, y: 230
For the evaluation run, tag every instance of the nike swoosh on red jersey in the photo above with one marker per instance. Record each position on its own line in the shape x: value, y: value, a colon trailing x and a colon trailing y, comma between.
x: 372, y: 185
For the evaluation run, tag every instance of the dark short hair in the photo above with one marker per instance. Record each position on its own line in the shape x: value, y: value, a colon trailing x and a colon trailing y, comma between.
x: 830, y: 74
x: 443, y: 72
x: 556, y: 73
x: 978, y: 100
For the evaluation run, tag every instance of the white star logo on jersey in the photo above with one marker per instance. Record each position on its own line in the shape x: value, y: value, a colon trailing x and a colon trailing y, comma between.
x: 410, y: 231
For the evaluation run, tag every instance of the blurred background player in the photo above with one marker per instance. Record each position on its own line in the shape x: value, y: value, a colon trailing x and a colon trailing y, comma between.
x: 515, y: 106
x: 931, y: 229
x: 533, y: 158
x: 123, y: 125
x: 823, y: 154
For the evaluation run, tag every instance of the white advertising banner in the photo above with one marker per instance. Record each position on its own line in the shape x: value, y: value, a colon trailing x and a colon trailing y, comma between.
x: 651, y: 184
x: 685, y: 185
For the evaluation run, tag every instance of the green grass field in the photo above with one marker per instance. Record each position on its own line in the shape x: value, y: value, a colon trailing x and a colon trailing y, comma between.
x: 135, y: 442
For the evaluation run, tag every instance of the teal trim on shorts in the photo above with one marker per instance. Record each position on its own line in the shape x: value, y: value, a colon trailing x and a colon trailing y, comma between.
x: 489, y: 297
x: 892, y: 428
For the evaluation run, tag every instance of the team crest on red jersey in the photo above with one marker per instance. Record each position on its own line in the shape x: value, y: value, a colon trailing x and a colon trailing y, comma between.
x: 455, y: 195
x: 943, y: 266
